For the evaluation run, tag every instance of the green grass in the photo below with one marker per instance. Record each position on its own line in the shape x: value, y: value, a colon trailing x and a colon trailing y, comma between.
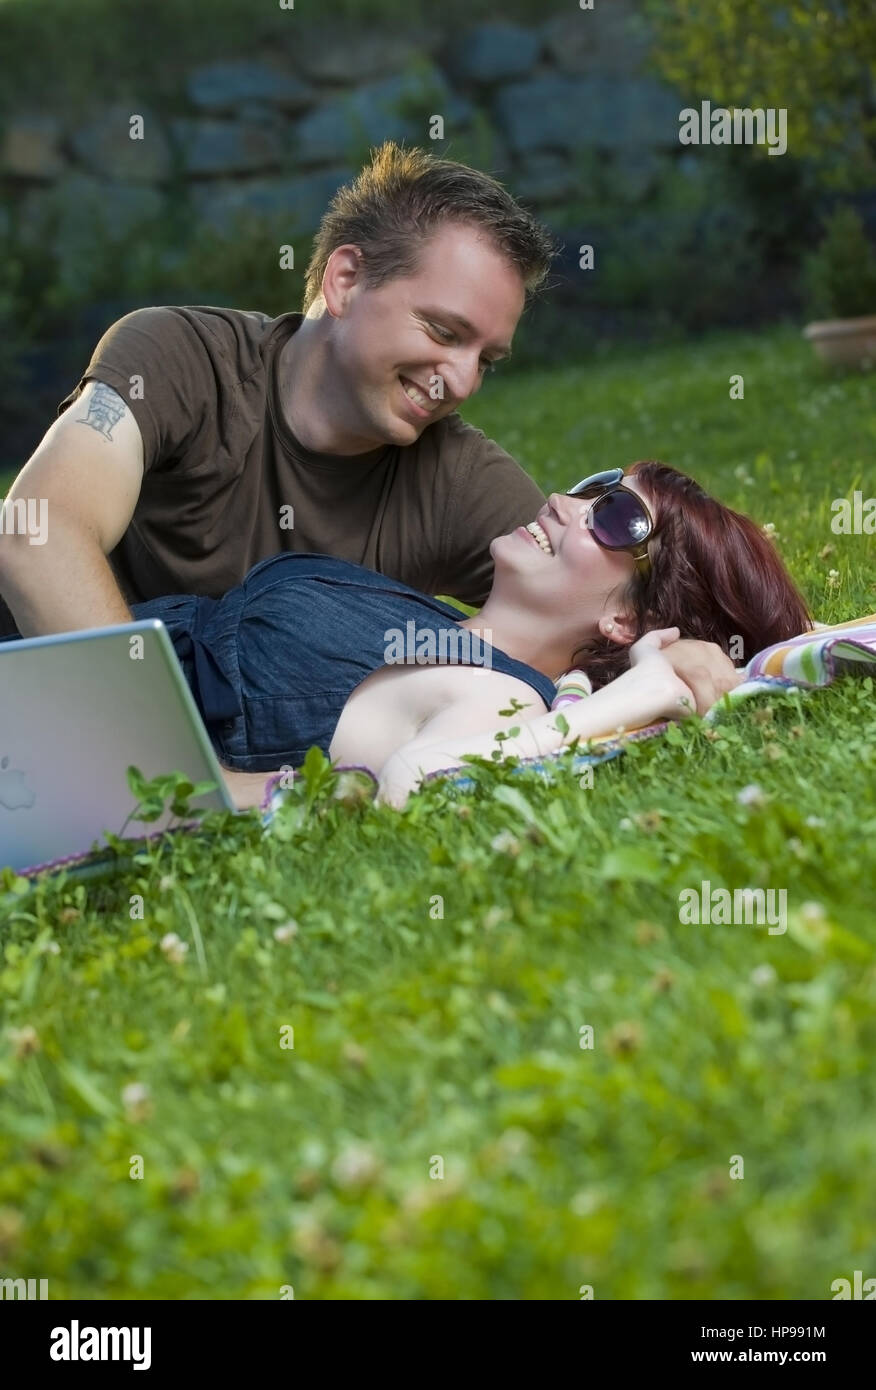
x: 418, y: 1037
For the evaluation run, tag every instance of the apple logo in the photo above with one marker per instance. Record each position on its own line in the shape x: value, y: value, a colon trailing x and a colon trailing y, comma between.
x: 14, y: 791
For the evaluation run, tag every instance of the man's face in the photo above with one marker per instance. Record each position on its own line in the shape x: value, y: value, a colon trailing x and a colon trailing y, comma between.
x: 437, y: 330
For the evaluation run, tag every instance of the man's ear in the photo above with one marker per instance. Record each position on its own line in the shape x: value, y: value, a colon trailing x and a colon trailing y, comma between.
x: 619, y: 628
x: 342, y: 271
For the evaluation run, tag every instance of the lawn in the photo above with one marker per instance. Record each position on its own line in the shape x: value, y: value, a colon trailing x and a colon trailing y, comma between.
x: 433, y: 1125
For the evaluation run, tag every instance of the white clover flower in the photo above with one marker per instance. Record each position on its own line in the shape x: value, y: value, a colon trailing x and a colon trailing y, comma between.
x: 763, y: 975
x: 505, y: 843
x: 135, y: 1094
x: 356, y: 1166
x: 286, y: 932
x: 173, y: 948
x: 752, y: 795
x: 25, y: 1041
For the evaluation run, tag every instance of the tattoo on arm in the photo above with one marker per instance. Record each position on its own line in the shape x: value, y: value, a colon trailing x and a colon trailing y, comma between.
x: 105, y: 409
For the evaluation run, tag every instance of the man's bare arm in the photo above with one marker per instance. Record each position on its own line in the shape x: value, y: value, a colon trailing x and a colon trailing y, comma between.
x: 705, y: 668
x: 84, y: 477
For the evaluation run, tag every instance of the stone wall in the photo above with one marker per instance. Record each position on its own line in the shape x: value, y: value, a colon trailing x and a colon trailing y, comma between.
x: 278, y: 136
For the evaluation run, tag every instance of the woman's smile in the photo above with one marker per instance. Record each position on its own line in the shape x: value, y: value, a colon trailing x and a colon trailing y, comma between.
x: 535, y: 532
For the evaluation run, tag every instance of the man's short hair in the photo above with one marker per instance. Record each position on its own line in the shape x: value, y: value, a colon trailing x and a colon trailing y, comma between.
x: 404, y: 195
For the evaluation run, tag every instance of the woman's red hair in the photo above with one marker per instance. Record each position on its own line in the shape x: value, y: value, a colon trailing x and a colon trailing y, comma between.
x: 714, y: 575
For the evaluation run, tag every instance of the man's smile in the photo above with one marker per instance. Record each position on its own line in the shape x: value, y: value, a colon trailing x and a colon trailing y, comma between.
x: 417, y: 396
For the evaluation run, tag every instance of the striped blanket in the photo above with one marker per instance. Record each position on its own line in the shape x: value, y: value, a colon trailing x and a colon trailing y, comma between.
x: 810, y: 661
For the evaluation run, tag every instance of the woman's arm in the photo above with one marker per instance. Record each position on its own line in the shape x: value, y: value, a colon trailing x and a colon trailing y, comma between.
x: 647, y: 692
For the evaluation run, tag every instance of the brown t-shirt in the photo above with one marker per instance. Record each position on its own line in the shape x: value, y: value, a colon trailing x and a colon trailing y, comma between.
x: 221, y: 464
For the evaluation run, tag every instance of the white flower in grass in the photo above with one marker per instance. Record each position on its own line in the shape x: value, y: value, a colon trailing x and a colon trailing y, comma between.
x: 356, y: 1166
x: 285, y: 933
x: 137, y: 1100
x: 812, y: 912
x: 833, y: 578
x: 815, y: 822
x: 505, y: 843
x: 173, y: 948
x: 25, y: 1041
x: 763, y: 975
x: 752, y: 795
x: 770, y: 531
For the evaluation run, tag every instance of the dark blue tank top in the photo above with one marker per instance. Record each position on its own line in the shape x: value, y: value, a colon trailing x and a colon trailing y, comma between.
x: 273, y: 662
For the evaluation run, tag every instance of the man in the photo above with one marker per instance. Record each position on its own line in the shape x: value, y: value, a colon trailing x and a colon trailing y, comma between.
x: 201, y: 440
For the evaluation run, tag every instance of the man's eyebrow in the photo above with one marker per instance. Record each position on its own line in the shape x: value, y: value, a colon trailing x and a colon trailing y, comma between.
x: 501, y: 349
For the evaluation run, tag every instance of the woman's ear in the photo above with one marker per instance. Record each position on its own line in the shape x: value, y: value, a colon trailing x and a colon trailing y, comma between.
x: 619, y: 628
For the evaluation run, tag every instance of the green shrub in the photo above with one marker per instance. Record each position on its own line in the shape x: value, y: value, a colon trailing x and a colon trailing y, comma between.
x: 815, y: 58
x: 685, y: 256
x: 840, y: 277
x: 241, y: 269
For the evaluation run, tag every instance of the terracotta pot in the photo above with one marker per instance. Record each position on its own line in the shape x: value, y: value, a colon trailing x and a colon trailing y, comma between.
x: 844, y: 342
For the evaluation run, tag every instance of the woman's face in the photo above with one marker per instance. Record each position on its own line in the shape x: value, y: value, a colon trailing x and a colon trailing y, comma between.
x: 564, y: 572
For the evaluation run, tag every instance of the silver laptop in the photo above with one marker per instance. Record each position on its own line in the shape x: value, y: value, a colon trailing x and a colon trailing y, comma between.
x: 76, y: 710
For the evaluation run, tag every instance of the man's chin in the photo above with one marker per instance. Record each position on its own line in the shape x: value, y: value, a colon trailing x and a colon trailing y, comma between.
x: 405, y: 431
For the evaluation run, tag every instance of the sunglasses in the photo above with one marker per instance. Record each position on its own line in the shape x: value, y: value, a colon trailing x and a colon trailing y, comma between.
x: 617, y: 518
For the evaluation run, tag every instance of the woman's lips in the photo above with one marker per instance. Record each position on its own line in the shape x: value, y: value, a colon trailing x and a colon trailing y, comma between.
x: 549, y: 554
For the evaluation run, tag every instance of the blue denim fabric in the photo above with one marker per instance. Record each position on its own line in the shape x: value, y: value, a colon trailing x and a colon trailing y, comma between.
x: 272, y: 663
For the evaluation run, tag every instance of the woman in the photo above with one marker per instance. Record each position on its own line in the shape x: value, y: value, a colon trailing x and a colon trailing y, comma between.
x: 313, y: 650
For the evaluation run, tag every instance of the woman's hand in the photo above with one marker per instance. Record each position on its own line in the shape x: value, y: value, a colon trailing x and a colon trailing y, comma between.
x: 404, y: 770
